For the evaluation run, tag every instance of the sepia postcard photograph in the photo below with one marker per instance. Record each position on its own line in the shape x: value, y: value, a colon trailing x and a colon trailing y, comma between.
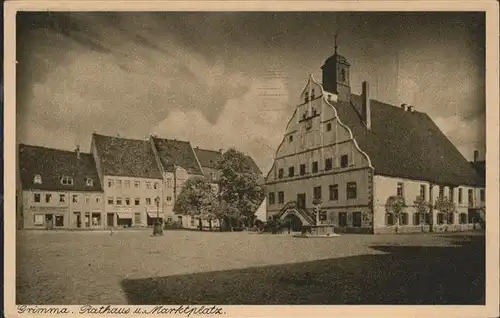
x: 194, y: 158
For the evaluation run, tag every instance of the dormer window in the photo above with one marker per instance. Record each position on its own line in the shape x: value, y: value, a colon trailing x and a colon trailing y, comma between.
x: 290, y: 138
x: 37, y: 179
x: 65, y: 180
x: 89, y: 182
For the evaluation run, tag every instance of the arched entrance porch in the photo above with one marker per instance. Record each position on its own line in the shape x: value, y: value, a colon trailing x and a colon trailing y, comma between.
x: 294, y: 221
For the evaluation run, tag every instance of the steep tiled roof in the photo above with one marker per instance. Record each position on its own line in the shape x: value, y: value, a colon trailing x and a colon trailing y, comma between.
x: 52, y: 164
x: 209, y: 159
x: 176, y: 152
x: 480, y: 167
x: 406, y: 144
x: 126, y: 157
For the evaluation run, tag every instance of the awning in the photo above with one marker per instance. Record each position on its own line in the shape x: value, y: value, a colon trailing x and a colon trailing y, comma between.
x: 124, y: 215
x: 154, y: 215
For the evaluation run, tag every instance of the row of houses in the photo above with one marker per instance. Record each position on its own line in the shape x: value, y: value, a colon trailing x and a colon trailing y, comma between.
x: 121, y: 183
x: 351, y: 153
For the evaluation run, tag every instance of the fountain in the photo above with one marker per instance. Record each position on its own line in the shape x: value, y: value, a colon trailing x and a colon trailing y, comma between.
x: 317, y: 230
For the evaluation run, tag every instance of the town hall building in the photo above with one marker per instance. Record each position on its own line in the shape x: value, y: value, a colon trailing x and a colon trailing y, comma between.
x: 349, y: 154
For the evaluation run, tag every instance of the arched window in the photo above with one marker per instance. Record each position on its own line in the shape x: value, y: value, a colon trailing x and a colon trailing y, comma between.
x: 37, y: 179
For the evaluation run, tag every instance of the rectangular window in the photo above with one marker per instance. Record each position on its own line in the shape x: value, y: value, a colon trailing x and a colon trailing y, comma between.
x: 137, y: 201
x: 110, y: 183
x: 118, y: 201
x: 317, y: 192
x: 356, y: 219
x: 118, y: 184
x: 423, y: 191
x: 87, y: 199
x: 471, y: 197
x: 481, y: 195
x: 75, y: 198
x: 403, y: 219
x: 291, y: 171
x: 452, y: 194
x: 148, y: 185
x: 302, y: 169
x: 416, y: 218
x: 315, y: 167
x: 328, y: 164
x: 126, y: 184
x: 389, y: 219
x: 111, y: 200
x: 463, y: 218
x: 460, y: 196
x: 328, y: 126
x: 280, y: 173
x: 48, y: 198
x: 137, y: 184
x: 351, y: 190
x: 451, y: 218
x: 156, y: 185
x: 344, y: 161
x: 59, y: 220
x: 148, y: 201
x: 342, y: 219
x: 96, y: 219
x: 65, y: 180
x: 271, y: 197
x: 39, y: 219
x: 334, y: 192
x: 36, y: 197
x: 399, y: 190
x: 62, y: 198
x: 440, y: 218
x: 87, y: 219
x: 441, y: 191
x: 98, y: 199
x: 281, y: 197
x: 169, y: 199
x: 89, y: 182
x: 127, y: 201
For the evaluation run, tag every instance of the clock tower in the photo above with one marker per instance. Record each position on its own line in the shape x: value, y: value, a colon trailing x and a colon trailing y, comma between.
x: 336, y: 75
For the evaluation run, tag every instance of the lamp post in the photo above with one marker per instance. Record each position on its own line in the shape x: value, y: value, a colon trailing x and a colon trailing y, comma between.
x: 157, y: 229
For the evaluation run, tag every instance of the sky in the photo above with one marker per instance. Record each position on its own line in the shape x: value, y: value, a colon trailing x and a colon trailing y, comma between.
x: 233, y: 79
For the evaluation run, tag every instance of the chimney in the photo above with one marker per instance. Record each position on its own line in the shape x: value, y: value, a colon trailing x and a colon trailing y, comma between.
x: 77, y: 150
x: 403, y: 106
x: 366, y: 105
x: 476, y: 155
x: 410, y: 109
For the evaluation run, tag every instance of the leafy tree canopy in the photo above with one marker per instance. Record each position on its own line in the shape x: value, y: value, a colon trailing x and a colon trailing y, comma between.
x: 240, y: 192
x: 395, y: 204
x: 197, y: 197
x: 445, y: 205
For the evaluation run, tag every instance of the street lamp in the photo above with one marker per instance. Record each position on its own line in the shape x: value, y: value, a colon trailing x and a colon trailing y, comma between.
x: 157, y: 229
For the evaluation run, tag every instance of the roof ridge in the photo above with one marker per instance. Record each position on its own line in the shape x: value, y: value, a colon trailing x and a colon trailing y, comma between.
x: 171, y: 139
x: 53, y: 149
x: 118, y: 137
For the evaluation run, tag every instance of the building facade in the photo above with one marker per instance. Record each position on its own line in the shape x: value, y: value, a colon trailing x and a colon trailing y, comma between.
x: 131, y: 181
x: 349, y: 154
x: 58, y: 189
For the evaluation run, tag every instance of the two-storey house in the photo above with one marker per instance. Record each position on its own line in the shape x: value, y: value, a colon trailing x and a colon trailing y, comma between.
x: 59, y: 189
x: 177, y: 163
x: 344, y: 155
x: 131, y: 180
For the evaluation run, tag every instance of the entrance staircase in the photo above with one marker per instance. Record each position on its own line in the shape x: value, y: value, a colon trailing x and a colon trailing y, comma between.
x: 305, y: 213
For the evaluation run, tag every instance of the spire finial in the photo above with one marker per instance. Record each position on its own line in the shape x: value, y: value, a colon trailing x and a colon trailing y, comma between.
x: 336, y: 36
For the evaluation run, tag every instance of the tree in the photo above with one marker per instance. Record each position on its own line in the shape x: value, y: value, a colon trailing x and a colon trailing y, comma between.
x: 422, y: 207
x: 445, y: 206
x: 396, y: 205
x: 197, y: 198
x: 240, y: 192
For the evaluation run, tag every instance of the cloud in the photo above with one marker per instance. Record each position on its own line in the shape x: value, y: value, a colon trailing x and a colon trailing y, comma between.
x: 253, y: 123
